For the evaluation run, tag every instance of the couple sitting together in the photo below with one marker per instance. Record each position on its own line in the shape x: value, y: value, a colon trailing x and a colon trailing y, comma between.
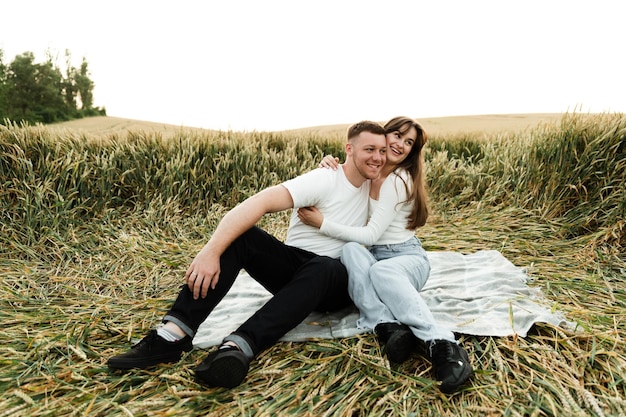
x: 351, y: 239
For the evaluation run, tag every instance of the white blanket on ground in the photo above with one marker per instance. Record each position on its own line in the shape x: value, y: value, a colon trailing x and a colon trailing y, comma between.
x: 479, y: 294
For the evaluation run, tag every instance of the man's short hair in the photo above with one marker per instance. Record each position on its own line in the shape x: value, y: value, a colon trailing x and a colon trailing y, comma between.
x: 365, y: 126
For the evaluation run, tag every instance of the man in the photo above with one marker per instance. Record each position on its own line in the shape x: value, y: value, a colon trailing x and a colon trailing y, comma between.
x: 304, y: 274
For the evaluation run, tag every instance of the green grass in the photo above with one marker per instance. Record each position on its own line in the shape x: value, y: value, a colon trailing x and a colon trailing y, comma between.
x: 96, y: 235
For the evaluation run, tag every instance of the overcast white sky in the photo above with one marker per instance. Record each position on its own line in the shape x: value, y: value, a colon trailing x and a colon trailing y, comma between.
x: 278, y: 64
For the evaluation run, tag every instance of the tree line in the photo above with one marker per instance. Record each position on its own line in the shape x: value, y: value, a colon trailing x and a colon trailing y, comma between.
x: 34, y: 92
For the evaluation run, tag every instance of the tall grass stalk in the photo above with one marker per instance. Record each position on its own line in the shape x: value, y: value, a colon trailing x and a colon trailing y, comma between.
x: 49, y: 179
x: 572, y: 172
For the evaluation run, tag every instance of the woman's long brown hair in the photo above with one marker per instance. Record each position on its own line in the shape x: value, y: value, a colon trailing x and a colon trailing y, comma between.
x: 414, y: 165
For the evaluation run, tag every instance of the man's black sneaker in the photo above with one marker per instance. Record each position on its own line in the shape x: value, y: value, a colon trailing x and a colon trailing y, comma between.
x: 225, y: 367
x: 399, y: 340
x: 150, y: 351
x: 450, y: 363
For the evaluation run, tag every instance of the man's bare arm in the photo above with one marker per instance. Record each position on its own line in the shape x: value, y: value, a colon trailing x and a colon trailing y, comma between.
x: 203, y: 273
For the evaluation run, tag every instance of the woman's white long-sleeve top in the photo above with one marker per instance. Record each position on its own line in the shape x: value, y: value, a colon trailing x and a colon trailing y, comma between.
x: 388, y: 215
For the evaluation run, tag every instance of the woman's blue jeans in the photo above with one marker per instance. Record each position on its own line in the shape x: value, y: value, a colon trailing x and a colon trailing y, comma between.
x: 385, y: 282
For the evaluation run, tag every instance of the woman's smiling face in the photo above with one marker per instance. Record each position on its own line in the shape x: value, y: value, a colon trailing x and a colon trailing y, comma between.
x: 399, y: 145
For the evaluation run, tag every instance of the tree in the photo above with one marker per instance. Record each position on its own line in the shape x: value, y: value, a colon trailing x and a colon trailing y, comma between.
x: 84, y: 85
x: 50, y: 106
x: 3, y: 88
x: 33, y: 92
x: 21, y: 87
x: 69, y: 87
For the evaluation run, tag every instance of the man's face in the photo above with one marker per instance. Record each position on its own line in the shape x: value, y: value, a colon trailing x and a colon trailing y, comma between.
x: 368, y: 154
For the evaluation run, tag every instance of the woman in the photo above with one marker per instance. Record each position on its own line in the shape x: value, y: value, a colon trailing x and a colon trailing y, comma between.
x: 385, y: 278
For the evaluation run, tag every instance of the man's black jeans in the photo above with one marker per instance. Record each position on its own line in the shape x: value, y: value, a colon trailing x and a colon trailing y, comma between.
x: 300, y: 281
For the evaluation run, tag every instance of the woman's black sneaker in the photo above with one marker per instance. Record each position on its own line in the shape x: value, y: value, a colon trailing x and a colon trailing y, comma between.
x: 450, y: 363
x: 151, y: 350
x: 398, y: 339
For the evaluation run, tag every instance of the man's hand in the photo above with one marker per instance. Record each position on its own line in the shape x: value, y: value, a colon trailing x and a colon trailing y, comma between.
x: 203, y: 273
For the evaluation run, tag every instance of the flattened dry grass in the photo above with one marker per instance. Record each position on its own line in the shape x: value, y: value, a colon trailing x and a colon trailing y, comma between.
x: 79, y: 285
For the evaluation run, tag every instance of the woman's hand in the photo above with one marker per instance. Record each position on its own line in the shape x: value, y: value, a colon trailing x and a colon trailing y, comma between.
x: 310, y: 216
x: 329, y: 161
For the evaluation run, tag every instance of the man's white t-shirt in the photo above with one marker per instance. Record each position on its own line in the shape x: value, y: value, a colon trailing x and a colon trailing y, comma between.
x: 336, y: 198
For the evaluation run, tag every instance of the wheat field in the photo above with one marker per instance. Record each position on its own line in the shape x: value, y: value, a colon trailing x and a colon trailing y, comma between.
x: 486, y: 124
x: 100, y: 218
